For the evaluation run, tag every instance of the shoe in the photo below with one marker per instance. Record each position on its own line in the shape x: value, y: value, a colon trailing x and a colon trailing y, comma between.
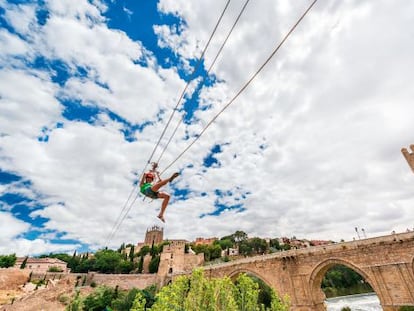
x: 161, y: 218
x: 174, y: 176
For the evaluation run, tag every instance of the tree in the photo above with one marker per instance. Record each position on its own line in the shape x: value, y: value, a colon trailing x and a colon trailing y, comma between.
x: 131, y: 253
x: 124, y: 301
x: 274, y: 243
x: 172, y: 296
x: 144, y: 250
x: 73, y: 262
x: 224, y: 293
x: 100, y: 299
x: 224, y: 244
x: 341, y: 280
x: 23, y: 265
x: 139, y: 302
x: 121, y: 248
x: 215, y: 251
x: 259, y: 245
x: 76, y: 304
x: 247, y: 293
x: 245, y: 248
x: 197, y: 293
x: 107, y: 261
x: 124, y: 266
x: 279, y: 304
x: 200, y: 297
x: 7, y: 261
x: 149, y: 295
x: 240, y: 236
x: 140, y: 264
x: 85, y: 265
x: 210, y: 251
x: 154, y: 264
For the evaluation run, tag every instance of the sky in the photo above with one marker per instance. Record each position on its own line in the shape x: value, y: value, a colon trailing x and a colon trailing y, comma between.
x: 90, y: 93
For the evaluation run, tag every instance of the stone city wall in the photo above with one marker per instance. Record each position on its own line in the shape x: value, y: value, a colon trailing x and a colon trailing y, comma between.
x: 124, y: 281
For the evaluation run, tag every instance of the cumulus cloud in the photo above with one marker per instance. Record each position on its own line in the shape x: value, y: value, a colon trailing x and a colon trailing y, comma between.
x: 310, y: 148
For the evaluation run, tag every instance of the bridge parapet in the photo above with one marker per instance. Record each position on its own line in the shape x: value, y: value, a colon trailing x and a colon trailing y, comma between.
x: 385, y: 262
x: 321, y: 249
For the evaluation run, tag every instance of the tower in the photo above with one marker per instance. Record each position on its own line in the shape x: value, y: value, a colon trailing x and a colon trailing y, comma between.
x: 409, y: 156
x: 154, y: 235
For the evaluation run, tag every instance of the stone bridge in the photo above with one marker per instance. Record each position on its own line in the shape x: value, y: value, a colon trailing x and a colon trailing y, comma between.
x: 386, y: 263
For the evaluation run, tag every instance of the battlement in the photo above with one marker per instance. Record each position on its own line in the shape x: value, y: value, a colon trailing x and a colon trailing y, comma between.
x: 154, y: 235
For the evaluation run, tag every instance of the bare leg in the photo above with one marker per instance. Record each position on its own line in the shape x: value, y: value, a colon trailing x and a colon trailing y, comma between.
x: 163, y: 182
x: 166, y: 199
x: 159, y: 184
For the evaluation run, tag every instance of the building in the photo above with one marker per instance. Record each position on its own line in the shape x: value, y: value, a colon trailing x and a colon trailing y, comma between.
x: 409, y: 157
x: 230, y: 252
x: 42, y: 265
x: 154, y: 235
x: 296, y: 244
x: 203, y: 241
x: 319, y: 242
x: 174, y: 259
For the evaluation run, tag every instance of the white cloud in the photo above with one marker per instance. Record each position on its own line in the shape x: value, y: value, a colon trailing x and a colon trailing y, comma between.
x: 21, y: 17
x: 10, y: 242
x: 313, y: 143
x: 11, y: 227
x: 27, y: 102
x: 12, y: 45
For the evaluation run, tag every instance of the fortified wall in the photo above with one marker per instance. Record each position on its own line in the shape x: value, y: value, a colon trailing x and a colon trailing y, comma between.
x: 124, y: 281
x: 175, y: 261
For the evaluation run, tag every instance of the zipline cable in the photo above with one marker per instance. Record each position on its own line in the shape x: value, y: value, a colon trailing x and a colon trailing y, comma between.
x: 127, y: 207
x: 206, y: 75
x: 188, y: 83
x: 244, y: 86
x: 117, y: 222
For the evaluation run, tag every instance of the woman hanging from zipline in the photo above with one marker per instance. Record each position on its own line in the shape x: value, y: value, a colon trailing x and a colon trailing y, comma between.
x: 150, y: 185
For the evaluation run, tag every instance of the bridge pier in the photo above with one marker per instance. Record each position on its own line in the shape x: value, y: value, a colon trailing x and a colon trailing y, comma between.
x: 386, y: 263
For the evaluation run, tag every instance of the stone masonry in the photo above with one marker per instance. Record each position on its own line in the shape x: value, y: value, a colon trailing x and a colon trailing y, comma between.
x: 386, y: 263
x: 154, y: 235
x: 174, y: 261
x: 409, y: 156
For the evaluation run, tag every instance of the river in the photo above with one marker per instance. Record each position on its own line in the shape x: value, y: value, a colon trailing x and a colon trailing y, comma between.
x: 362, y: 302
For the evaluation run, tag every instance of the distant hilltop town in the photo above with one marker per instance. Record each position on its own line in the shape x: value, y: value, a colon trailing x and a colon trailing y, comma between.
x: 164, y: 257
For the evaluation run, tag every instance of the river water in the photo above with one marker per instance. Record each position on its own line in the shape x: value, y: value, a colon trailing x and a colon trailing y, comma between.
x: 362, y: 302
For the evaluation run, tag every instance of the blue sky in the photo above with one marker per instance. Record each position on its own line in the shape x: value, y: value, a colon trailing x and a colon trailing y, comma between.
x: 310, y: 149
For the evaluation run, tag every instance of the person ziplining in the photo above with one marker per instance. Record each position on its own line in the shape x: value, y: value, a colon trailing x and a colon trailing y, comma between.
x: 150, y: 185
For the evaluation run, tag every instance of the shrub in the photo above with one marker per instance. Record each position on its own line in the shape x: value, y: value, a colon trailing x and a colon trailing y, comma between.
x: 65, y: 299
x: 55, y: 269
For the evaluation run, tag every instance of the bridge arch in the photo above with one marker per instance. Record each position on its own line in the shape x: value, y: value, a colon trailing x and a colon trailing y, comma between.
x: 235, y: 273
x: 320, y: 270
